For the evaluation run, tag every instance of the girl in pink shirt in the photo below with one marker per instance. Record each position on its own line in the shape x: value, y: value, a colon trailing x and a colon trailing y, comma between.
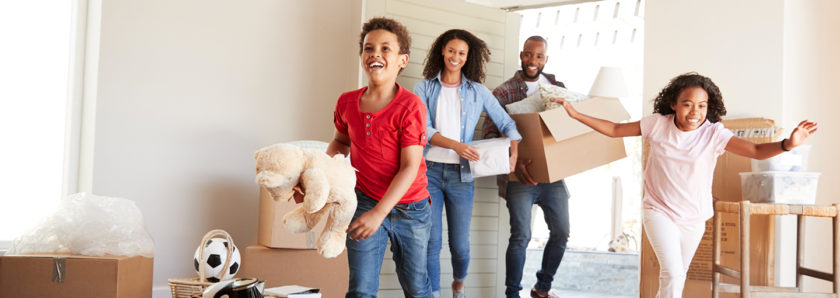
x: 685, y: 137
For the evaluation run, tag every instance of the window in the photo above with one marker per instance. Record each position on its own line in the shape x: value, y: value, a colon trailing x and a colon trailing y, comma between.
x: 638, y: 8
x: 595, y: 15
x: 615, y: 11
x: 37, y: 116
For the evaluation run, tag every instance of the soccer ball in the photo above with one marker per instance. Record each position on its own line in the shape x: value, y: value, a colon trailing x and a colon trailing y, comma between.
x: 215, y: 253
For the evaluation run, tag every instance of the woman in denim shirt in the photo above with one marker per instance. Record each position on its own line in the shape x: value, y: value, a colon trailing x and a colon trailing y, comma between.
x: 455, y: 99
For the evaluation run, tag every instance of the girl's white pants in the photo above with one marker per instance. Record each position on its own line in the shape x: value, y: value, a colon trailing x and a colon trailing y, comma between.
x: 674, y: 244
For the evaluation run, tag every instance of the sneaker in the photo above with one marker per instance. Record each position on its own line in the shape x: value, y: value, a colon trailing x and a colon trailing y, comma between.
x: 458, y: 294
x: 538, y: 294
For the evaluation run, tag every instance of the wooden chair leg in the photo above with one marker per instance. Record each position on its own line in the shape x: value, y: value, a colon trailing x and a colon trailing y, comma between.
x: 745, y: 249
x: 800, y: 249
x: 716, y: 257
x: 836, y: 250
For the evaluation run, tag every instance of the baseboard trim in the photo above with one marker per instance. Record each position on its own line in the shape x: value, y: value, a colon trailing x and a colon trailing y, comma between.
x: 161, y: 292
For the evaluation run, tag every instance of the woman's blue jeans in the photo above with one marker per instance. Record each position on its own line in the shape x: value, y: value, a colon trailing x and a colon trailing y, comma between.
x: 407, y: 227
x: 447, y: 190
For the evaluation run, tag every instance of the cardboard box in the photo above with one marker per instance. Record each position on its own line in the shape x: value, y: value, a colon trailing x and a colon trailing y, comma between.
x: 279, y: 266
x: 559, y: 146
x: 725, y: 186
x: 272, y: 233
x: 51, y: 275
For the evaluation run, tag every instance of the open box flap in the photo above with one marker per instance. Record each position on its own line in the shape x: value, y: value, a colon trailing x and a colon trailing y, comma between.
x: 563, y: 127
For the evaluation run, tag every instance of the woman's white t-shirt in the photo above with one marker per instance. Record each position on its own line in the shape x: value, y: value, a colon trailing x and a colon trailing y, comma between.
x: 680, y: 167
x: 448, y: 124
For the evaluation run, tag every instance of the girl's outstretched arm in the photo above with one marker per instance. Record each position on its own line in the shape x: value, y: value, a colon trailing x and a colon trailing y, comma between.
x: 767, y: 150
x: 606, y: 127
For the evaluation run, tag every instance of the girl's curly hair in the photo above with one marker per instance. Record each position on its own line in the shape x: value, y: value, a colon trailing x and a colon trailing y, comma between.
x: 668, y: 96
x: 477, y: 55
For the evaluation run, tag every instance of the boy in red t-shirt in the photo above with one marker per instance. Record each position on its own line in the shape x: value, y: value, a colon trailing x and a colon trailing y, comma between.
x: 383, y: 127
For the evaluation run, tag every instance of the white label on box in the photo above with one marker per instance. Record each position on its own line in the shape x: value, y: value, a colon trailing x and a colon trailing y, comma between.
x: 294, y: 291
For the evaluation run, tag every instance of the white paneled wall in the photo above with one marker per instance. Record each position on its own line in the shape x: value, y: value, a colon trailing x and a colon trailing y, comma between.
x: 489, y: 230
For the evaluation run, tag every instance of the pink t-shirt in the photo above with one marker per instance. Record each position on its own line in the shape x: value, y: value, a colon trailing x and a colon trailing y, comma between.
x: 680, y: 167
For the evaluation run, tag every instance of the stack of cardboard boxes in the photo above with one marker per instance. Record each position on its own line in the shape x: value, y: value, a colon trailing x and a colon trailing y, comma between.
x: 284, y: 258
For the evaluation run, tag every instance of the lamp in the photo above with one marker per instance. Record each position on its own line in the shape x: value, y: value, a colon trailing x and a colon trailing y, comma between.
x: 609, y: 83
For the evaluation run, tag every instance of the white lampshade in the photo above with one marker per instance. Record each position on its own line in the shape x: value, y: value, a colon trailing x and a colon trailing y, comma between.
x: 609, y: 83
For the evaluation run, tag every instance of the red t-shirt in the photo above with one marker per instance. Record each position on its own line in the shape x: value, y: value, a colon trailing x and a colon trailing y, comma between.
x: 376, y: 140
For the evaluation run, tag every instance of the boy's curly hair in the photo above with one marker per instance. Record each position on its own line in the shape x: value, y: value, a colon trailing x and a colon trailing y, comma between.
x: 477, y: 56
x: 389, y: 25
x: 668, y: 96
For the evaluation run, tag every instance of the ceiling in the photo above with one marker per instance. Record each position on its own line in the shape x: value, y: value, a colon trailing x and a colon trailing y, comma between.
x: 524, y: 4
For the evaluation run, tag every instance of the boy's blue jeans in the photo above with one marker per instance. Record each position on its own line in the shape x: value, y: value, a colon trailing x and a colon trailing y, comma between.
x: 553, y: 198
x: 446, y: 189
x: 407, y: 226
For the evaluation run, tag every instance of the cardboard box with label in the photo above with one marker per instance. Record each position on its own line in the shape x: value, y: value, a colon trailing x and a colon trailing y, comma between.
x: 272, y: 233
x: 52, y: 275
x: 280, y: 266
x: 559, y: 146
x: 726, y: 186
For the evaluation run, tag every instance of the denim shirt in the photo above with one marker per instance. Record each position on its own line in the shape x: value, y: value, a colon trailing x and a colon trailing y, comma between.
x: 475, y: 98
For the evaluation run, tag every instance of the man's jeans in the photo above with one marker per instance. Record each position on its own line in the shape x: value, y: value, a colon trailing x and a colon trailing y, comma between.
x: 446, y: 189
x: 407, y: 226
x: 553, y: 198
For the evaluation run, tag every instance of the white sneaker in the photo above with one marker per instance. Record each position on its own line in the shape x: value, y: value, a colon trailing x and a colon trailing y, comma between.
x: 458, y: 294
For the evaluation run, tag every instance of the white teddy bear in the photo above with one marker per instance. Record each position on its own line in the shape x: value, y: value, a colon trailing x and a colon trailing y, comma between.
x: 329, y: 183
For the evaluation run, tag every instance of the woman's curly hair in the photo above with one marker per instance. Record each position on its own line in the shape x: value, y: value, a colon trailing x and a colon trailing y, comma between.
x: 477, y: 55
x: 668, y: 96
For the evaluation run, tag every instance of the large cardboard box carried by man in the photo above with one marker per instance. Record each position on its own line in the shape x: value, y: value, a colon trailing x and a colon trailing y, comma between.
x: 559, y: 146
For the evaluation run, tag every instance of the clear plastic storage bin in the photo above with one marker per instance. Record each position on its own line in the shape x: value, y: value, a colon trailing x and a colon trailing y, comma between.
x: 796, y: 160
x: 780, y: 187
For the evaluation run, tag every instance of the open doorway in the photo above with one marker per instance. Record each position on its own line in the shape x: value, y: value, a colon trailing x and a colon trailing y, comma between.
x: 602, y: 255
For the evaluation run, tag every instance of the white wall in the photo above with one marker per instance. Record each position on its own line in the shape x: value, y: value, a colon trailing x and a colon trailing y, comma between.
x: 812, y: 41
x: 773, y: 59
x: 186, y: 91
x: 735, y: 43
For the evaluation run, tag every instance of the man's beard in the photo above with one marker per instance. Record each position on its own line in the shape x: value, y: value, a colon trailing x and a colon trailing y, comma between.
x: 525, y: 72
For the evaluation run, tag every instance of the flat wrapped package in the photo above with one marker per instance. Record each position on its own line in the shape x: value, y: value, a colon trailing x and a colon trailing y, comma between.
x: 494, y: 157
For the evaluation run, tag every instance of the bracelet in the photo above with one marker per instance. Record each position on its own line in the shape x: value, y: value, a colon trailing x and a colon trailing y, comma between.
x: 783, y: 145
